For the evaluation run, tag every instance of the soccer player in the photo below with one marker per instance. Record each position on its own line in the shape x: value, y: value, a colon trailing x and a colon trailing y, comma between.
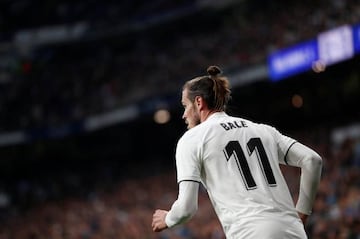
x: 238, y: 162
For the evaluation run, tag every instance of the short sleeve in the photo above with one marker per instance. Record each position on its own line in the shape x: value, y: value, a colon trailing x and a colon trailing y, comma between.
x: 188, y: 160
x: 283, y: 143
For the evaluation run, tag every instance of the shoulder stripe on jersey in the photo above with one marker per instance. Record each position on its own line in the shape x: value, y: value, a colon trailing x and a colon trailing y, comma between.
x: 287, y: 151
x: 188, y: 181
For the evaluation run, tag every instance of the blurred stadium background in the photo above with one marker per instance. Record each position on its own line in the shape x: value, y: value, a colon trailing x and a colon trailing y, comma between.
x: 90, y: 107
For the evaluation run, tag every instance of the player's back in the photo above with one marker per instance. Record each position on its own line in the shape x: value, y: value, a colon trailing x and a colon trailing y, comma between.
x: 240, y: 169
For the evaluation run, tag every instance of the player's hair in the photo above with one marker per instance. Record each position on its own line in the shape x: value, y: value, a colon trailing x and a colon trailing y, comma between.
x: 213, y: 88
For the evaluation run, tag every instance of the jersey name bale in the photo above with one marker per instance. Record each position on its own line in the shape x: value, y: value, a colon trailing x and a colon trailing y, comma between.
x: 234, y: 125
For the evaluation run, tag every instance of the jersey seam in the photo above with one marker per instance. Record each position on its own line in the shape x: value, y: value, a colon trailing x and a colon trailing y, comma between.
x: 188, y: 180
x: 288, y: 152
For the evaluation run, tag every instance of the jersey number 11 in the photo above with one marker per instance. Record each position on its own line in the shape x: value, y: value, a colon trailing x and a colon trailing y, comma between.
x: 234, y: 148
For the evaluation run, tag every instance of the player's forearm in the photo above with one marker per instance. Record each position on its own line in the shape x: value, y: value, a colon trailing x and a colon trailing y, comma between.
x: 309, y: 182
x: 178, y: 214
x: 311, y: 165
x: 185, y: 206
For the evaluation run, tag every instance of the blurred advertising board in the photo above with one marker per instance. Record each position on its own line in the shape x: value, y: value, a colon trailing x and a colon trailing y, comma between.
x: 328, y: 48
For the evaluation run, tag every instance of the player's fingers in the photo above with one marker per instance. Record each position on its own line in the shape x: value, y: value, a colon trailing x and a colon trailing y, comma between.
x: 155, y: 213
x: 154, y: 224
x: 155, y: 228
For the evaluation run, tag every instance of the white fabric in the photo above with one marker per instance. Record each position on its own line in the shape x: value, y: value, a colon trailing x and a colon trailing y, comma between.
x: 311, y: 165
x: 186, y: 204
x: 218, y: 153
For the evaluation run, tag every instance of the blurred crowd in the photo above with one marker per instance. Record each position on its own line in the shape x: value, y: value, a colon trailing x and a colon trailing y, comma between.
x: 111, y: 207
x: 54, y: 84
x: 26, y: 14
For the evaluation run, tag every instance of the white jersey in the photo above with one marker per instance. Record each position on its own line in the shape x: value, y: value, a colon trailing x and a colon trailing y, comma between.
x: 237, y: 161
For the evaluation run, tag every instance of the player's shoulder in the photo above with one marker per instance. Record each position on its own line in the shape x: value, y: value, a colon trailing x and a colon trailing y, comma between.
x: 261, y: 127
x: 196, y: 133
x: 189, y: 140
x: 191, y: 134
x: 265, y: 126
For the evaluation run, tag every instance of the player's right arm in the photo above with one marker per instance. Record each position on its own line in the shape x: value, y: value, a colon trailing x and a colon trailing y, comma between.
x: 299, y: 155
x: 310, y: 163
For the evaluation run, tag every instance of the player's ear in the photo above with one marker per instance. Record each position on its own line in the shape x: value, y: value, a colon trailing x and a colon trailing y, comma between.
x: 199, y: 102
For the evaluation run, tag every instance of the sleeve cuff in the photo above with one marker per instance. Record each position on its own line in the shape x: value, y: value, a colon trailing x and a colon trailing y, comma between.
x: 303, y: 210
x: 169, y: 222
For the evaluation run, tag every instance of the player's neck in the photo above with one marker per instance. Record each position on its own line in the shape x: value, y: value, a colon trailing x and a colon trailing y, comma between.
x: 204, y: 115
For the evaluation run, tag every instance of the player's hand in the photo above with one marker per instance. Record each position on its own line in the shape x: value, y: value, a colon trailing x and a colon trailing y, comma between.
x: 303, y: 217
x: 158, y: 221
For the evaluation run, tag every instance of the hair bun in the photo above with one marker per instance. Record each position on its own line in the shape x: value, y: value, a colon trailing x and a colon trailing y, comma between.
x: 213, y: 70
